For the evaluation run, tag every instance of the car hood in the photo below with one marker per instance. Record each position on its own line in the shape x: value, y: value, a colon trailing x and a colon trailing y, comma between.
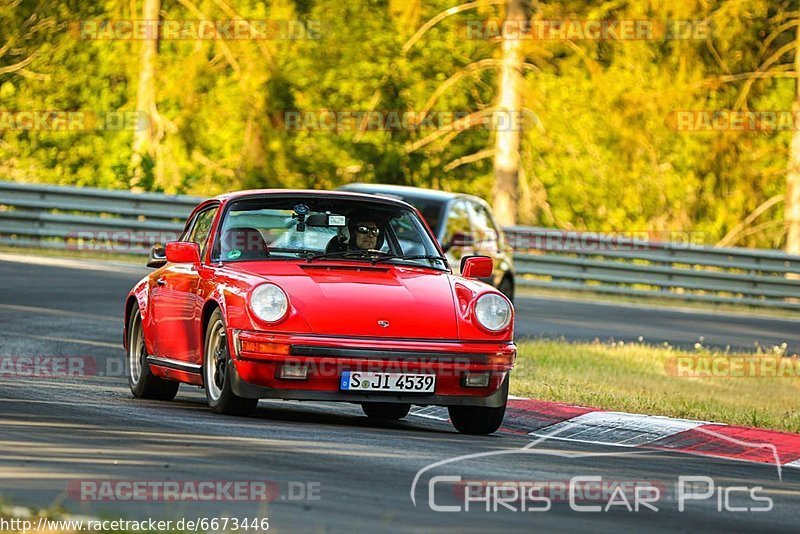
x: 349, y: 299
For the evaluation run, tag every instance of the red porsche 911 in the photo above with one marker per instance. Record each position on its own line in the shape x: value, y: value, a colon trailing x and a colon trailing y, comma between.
x: 326, y: 296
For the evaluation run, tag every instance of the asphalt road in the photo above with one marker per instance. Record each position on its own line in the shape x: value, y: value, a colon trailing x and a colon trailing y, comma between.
x: 57, y: 432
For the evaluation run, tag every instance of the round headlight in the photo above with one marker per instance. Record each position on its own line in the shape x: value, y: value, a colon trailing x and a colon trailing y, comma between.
x: 493, y: 312
x: 268, y: 302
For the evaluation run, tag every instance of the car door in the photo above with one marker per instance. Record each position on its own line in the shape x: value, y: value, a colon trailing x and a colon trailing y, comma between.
x: 458, y: 237
x: 175, y: 297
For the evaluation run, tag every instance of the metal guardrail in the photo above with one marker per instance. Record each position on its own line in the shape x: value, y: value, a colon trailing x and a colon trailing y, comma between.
x: 46, y: 216
x: 588, y: 261
x: 82, y: 218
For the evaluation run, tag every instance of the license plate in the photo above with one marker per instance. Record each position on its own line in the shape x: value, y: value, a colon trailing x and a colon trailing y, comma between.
x: 389, y: 382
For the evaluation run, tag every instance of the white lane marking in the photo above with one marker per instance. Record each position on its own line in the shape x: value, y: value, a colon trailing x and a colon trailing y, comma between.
x: 84, y: 265
x: 50, y: 311
x: 429, y: 412
x: 617, y: 428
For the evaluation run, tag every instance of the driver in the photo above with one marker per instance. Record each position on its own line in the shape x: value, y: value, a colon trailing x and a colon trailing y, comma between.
x: 364, y: 234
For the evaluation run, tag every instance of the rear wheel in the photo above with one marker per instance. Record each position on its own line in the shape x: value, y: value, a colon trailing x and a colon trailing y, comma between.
x: 217, y: 371
x: 385, y: 410
x: 479, y: 420
x: 143, y: 383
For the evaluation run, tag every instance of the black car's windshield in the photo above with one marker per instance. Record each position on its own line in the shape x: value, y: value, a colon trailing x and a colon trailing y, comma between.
x: 315, y: 228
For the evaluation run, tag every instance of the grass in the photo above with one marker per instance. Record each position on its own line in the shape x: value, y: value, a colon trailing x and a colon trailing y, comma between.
x: 634, y: 378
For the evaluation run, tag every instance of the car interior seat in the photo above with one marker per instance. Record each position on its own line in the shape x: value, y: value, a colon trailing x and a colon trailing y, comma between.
x: 338, y: 243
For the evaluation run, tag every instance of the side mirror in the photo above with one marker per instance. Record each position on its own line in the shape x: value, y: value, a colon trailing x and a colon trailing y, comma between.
x: 183, y: 252
x: 157, y: 257
x: 476, y: 266
x: 460, y: 239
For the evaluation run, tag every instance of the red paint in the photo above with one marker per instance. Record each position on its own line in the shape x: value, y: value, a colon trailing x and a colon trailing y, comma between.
x: 741, y: 443
x: 477, y: 267
x: 181, y: 252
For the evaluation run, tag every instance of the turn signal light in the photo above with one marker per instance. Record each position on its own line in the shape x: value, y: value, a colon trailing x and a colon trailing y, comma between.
x: 263, y: 347
x: 502, y: 358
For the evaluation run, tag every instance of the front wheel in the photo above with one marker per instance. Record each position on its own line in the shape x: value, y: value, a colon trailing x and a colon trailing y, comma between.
x: 385, y: 410
x: 217, y: 368
x: 479, y: 420
x: 143, y: 383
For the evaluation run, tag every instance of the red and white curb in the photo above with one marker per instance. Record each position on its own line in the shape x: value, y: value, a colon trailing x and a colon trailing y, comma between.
x: 590, y: 425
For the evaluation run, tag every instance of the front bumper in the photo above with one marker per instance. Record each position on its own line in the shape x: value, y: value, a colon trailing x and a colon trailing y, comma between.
x: 259, y: 357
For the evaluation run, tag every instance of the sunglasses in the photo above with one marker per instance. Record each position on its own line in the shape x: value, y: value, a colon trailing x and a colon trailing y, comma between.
x: 368, y: 230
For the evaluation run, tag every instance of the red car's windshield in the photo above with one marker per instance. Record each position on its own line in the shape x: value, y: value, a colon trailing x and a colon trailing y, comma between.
x: 334, y: 228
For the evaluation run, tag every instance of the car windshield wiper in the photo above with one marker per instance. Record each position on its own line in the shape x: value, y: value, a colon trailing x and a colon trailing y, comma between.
x: 423, y: 257
x: 373, y: 255
x: 414, y: 257
x: 291, y: 250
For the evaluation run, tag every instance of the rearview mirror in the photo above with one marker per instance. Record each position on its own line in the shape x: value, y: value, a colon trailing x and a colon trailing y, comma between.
x: 157, y: 257
x: 476, y: 266
x: 183, y: 252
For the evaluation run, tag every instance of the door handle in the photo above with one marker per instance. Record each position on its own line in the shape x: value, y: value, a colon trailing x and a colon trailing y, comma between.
x: 161, y: 281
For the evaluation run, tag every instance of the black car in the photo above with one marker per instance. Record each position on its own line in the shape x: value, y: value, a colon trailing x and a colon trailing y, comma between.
x: 463, y: 224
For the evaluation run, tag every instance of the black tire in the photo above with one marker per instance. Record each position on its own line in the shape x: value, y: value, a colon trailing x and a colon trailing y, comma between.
x: 506, y: 287
x: 479, y: 420
x: 385, y: 410
x: 217, y: 379
x: 143, y: 383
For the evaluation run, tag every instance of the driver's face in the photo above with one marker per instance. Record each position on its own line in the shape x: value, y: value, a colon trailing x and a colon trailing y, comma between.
x: 369, y: 240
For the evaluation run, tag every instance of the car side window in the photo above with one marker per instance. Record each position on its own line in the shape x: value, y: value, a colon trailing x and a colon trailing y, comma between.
x: 458, y: 222
x: 202, y: 228
x: 486, y: 234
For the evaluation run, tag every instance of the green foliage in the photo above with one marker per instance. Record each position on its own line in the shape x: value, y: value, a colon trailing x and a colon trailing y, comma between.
x: 603, y: 156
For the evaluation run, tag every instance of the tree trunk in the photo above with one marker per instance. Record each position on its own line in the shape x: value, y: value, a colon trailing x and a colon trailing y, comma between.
x: 792, y: 208
x: 507, y: 138
x: 144, y: 137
